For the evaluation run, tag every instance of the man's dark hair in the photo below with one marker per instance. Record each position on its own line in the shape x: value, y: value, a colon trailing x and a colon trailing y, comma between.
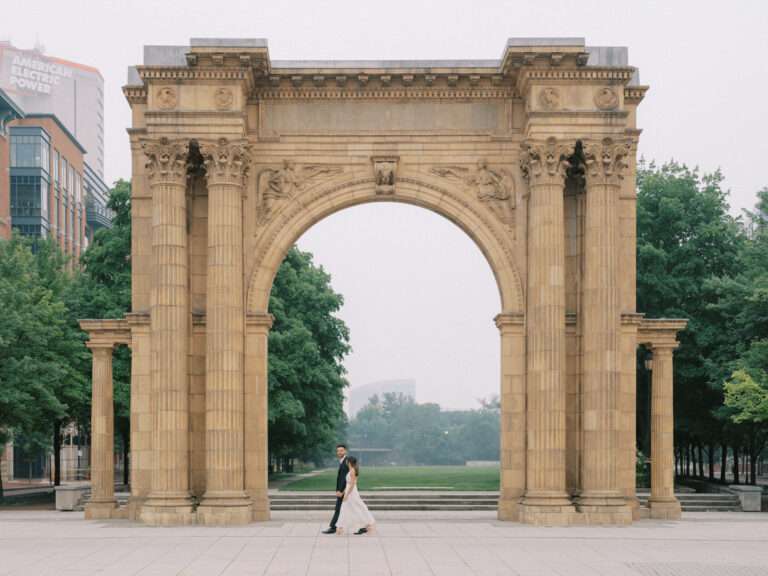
x: 341, y: 446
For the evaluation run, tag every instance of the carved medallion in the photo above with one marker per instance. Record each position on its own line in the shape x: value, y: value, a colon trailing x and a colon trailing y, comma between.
x: 223, y: 98
x: 385, y: 174
x: 166, y: 98
x: 493, y: 187
x: 549, y: 98
x: 284, y: 183
x: 606, y: 99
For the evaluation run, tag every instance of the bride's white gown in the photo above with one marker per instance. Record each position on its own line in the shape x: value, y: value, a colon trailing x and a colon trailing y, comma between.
x: 354, y: 513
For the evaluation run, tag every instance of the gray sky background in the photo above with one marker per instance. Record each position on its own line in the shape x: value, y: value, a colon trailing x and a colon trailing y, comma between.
x: 410, y: 314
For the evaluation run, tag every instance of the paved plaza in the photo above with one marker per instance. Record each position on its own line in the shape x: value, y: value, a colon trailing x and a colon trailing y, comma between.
x: 702, y: 544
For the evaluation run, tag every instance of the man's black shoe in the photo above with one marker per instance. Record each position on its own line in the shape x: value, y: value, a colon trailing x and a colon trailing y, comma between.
x: 361, y: 531
x: 330, y: 531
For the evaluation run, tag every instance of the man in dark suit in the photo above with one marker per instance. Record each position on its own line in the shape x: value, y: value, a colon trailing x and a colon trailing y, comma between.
x: 341, y: 484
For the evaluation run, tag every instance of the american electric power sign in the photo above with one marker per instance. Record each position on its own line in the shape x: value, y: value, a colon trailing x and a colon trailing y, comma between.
x: 32, y: 74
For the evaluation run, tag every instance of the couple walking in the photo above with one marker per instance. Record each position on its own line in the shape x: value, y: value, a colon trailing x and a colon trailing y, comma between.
x: 351, y: 514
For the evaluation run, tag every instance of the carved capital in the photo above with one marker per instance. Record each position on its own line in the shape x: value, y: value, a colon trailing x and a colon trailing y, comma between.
x: 605, y: 161
x: 226, y: 162
x: 545, y: 162
x: 166, y: 160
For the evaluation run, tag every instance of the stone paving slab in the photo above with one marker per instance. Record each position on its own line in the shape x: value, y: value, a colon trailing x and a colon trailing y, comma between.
x: 435, y: 544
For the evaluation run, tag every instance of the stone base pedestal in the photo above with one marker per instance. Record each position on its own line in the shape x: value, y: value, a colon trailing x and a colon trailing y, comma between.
x: 634, y: 506
x: 604, y: 508
x: 509, y: 509
x: 665, y: 509
x: 100, y: 510
x: 134, y: 507
x: 168, y: 510
x: 225, y: 509
x: 260, y: 508
x: 547, y: 510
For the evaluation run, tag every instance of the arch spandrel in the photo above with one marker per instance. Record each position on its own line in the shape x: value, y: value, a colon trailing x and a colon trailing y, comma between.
x: 269, y: 240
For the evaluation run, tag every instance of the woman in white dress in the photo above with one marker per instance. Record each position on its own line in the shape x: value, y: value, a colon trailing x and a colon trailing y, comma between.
x: 355, y: 516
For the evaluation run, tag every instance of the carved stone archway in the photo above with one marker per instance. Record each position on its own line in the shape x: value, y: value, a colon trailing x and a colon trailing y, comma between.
x: 533, y: 156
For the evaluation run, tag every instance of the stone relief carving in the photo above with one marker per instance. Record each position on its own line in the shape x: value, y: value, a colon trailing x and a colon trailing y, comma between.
x: 493, y: 187
x: 385, y: 174
x: 549, y: 98
x: 278, y: 184
x: 223, y: 98
x: 167, y: 160
x: 606, y: 99
x: 166, y: 98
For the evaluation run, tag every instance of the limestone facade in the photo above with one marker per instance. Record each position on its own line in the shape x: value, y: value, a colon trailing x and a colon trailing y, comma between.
x: 532, y: 155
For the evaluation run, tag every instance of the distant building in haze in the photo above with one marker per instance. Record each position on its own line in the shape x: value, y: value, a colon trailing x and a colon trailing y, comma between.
x: 358, y: 397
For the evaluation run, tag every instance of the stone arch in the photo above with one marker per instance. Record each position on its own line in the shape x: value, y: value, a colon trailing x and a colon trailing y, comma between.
x: 273, y: 241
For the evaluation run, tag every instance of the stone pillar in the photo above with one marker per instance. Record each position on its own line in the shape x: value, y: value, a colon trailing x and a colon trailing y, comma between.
x: 512, y: 328
x: 169, y: 501
x: 663, y: 503
x: 103, y: 502
x: 225, y: 500
x: 256, y: 412
x: 544, y: 166
x: 601, y: 495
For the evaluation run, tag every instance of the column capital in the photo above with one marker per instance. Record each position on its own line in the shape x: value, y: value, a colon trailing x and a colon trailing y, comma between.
x: 546, y: 161
x: 167, y: 160
x: 100, y: 346
x: 226, y: 161
x: 605, y: 160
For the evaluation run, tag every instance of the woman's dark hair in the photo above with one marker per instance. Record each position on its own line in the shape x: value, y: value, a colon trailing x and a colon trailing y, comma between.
x: 352, y: 462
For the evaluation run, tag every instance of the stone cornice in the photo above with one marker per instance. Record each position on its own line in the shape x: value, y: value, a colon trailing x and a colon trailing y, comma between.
x: 106, y: 333
x: 585, y: 75
x: 660, y: 332
x: 509, y: 320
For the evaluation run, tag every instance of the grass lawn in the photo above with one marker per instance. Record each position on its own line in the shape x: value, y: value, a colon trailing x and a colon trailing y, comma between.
x: 407, y: 478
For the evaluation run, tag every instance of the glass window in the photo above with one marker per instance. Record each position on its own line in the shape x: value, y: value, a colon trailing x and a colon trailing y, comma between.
x: 26, y: 196
x: 26, y: 151
x: 56, y: 162
x: 64, y: 173
x: 78, y: 187
x: 45, y: 156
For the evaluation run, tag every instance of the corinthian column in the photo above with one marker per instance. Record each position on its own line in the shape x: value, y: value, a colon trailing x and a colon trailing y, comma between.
x: 169, y: 500
x: 605, y: 162
x: 544, y: 166
x: 225, y: 500
x: 663, y: 503
x: 102, y: 503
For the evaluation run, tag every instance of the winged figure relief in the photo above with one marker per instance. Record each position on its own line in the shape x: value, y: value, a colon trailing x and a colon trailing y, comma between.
x: 284, y: 183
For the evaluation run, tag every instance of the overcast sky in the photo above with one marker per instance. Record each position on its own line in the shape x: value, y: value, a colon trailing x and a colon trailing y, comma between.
x: 409, y: 314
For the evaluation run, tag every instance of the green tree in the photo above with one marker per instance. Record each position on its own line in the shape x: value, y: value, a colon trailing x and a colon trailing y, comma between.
x: 39, y: 384
x: 307, y: 345
x: 688, y: 245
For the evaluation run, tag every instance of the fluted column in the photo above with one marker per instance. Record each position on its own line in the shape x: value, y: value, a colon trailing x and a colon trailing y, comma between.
x: 663, y: 503
x: 544, y: 165
x: 257, y: 412
x: 103, y: 500
x: 225, y: 501
x: 169, y: 501
x: 512, y: 329
x: 605, y: 162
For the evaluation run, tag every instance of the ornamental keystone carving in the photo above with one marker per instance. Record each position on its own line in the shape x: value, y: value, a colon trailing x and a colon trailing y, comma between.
x: 226, y: 162
x: 166, y: 98
x: 549, y: 98
x: 223, y: 98
x: 278, y: 184
x: 605, y: 160
x: 385, y: 174
x: 494, y: 187
x: 606, y: 99
x: 545, y: 162
x: 167, y: 160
